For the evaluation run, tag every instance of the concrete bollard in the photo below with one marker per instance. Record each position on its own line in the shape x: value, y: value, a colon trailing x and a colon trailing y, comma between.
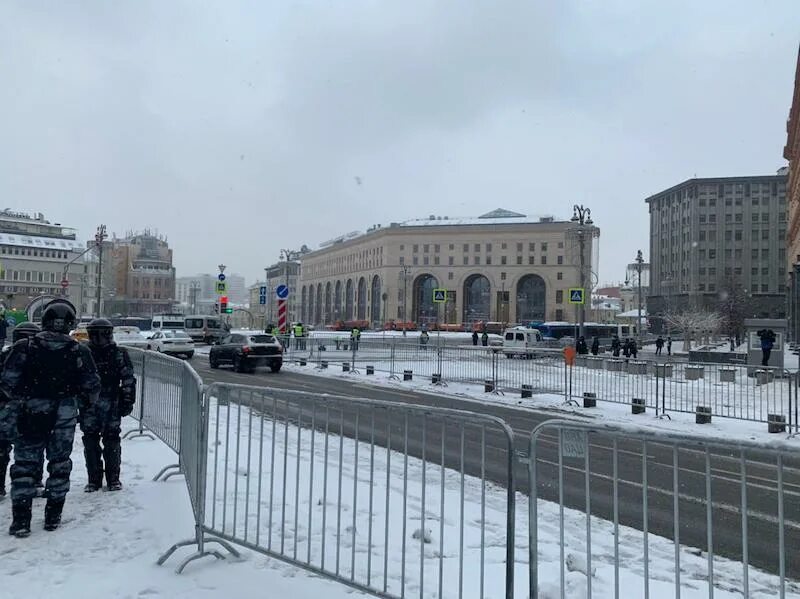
x: 615, y: 365
x: 323, y: 364
x: 436, y: 378
x: 776, y: 423
x: 526, y: 392
x: 764, y: 377
x: 594, y: 363
x: 637, y: 367
x: 694, y: 373
x: 345, y: 366
x: 638, y: 406
x: 488, y: 386
x: 303, y: 362
x: 727, y: 375
x: 589, y: 400
x: 702, y: 415
x: 408, y: 375
x: 664, y: 371
x: 370, y: 370
x: 581, y: 361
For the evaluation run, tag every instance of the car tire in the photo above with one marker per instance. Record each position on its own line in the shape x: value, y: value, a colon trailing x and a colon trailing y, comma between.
x: 238, y: 365
x: 276, y: 367
x: 189, y: 355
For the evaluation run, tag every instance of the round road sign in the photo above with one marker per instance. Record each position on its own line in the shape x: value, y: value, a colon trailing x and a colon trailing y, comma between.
x: 64, y: 283
x: 282, y: 291
x: 221, y: 276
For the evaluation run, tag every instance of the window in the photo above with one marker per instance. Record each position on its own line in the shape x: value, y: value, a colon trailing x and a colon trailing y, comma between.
x: 560, y: 276
x: 712, y: 218
x: 519, y: 247
x: 712, y: 254
x: 701, y: 286
x: 436, y: 248
x: 754, y: 271
x: 765, y: 234
x: 544, y: 247
x: 702, y: 218
x: 738, y: 235
x: 477, y: 247
x: 765, y: 217
x: 450, y: 261
x: 466, y: 247
x: 488, y: 259
x: 560, y: 296
x: 426, y: 248
x: 712, y: 271
x: 764, y: 271
x: 416, y: 261
x: 402, y: 260
x: 476, y: 260
x: 560, y: 259
x: 402, y: 247
x: 737, y: 270
x: 436, y: 260
x: 503, y: 246
x: 502, y: 276
x: 755, y: 201
x: 729, y: 218
x: 702, y: 271
x: 765, y: 254
x: 531, y: 260
x: 738, y: 217
x: 488, y: 247
x: 416, y: 248
x: 531, y: 247
x: 712, y: 202
x: 729, y: 254
x: 503, y: 260
x: 519, y: 260
x: 702, y: 236
x: 466, y: 260
x: 561, y: 245
x: 544, y: 259
x: 728, y: 235
x: 737, y: 254
x: 452, y: 247
x: 450, y: 276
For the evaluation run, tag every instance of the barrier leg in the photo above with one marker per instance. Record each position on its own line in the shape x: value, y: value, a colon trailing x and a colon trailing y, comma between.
x: 200, y: 540
x: 165, y: 470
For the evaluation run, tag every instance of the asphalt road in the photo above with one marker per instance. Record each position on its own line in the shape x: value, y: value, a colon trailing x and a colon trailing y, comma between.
x: 762, y: 496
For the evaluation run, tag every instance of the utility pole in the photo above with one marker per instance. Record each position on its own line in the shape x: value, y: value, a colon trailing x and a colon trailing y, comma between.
x: 639, y: 261
x: 99, y: 237
x: 582, y: 217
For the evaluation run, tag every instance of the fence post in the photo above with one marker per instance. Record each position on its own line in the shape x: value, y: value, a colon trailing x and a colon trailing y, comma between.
x: 392, y: 375
x: 138, y: 434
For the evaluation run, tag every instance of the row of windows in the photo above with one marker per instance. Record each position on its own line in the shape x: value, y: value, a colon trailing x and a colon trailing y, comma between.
x: 15, y: 251
x: 29, y: 276
x: 476, y: 260
x: 426, y: 247
x: 363, y: 259
x: 764, y: 288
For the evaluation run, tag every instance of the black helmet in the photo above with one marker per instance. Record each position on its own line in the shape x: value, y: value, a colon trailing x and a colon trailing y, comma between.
x: 58, y: 316
x: 24, y: 330
x: 101, y: 332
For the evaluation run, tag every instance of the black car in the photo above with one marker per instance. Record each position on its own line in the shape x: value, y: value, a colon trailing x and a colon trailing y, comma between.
x: 247, y: 351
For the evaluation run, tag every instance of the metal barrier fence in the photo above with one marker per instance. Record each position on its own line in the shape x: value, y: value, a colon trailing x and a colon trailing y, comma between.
x: 384, y: 497
x: 730, y: 391
x: 729, y: 499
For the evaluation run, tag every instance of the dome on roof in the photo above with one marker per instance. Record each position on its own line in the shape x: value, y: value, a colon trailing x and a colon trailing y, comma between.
x: 502, y: 213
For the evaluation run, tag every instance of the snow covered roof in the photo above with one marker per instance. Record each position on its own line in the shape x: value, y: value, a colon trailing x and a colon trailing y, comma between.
x: 500, y: 216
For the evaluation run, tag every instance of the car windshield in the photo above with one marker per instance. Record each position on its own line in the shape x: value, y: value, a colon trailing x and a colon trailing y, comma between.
x: 262, y: 339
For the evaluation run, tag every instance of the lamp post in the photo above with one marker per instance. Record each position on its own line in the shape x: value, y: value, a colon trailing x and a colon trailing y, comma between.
x: 582, y: 217
x: 194, y: 289
x: 99, y: 237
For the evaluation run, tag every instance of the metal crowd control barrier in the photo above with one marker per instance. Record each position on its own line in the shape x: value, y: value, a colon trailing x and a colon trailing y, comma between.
x: 730, y: 499
x: 384, y: 497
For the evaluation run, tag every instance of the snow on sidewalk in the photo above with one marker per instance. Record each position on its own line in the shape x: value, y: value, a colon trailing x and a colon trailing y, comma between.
x: 108, y: 544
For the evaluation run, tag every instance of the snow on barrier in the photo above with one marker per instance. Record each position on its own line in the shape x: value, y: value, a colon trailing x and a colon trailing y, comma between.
x: 727, y: 506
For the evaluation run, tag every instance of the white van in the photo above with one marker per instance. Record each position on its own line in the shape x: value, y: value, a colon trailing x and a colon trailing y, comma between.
x: 206, y: 329
x: 521, y: 342
x: 163, y: 322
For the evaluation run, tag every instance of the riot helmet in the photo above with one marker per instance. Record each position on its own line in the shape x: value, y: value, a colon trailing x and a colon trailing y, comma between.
x: 58, y: 317
x: 101, y: 332
x: 24, y: 330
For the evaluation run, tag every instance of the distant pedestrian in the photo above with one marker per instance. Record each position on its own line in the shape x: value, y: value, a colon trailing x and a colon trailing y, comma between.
x: 615, y: 346
x: 733, y: 346
x: 595, y: 345
x: 485, y: 339
x: 626, y: 348
x: 767, y: 337
x: 634, y: 349
x: 659, y: 345
x: 474, y: 337
x: 580, y: 346
x: 423, y: 340
x: 669, y: 346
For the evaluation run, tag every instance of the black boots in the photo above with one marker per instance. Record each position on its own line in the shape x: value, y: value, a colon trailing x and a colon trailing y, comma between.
x: 111, y: 456
x: 94, y: 462
x: 21, y: 518
x: 52, y: 514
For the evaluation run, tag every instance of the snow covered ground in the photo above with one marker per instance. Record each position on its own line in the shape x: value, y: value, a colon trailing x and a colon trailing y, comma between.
x: 109, y: 542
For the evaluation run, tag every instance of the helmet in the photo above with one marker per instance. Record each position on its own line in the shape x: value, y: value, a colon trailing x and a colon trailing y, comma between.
x: 58, y: 316
x: 101, y: 332
x: 24, y: 330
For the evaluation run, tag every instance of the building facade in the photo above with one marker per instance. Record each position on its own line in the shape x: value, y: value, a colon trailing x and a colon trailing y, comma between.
x: 502, y: 267
x: 144, y: 278
x: 712, y: 239
x: 35, y: 256
x: 792, y: 153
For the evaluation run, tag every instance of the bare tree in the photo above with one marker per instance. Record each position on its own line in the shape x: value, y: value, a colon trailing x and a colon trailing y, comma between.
x: 695, y: 324
x: 733, y: 305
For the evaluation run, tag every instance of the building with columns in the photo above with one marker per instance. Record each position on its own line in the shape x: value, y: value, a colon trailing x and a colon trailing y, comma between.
x: 501, y: 266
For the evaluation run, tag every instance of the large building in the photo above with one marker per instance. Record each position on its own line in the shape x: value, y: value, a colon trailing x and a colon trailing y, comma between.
x: 143, y: 281
x: 35, y: 256
x: 198, y: 293
x: 714, y: 238
x: 501, y: 266
x: 792, y: 153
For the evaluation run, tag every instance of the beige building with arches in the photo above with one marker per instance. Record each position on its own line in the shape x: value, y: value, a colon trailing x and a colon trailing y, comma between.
x: 501, y: 266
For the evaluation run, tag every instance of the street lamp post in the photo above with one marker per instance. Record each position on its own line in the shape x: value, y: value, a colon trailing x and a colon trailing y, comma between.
x: 99, y: 237
x: 639, y: 262
x: 582, y: 217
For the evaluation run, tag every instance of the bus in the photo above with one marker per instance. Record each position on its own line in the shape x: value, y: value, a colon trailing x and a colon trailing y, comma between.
x: 163, y: 322
x: 562, y: 330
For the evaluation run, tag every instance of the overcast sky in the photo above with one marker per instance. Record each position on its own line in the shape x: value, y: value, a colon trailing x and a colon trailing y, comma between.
x: 240, y: 129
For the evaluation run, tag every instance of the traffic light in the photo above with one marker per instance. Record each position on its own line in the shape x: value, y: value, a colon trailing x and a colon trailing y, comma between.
x: 223, y: 305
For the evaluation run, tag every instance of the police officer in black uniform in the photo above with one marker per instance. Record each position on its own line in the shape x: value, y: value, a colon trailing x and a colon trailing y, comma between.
x: 9, y: 410
x: 49, y: 374
x: 101, y: 420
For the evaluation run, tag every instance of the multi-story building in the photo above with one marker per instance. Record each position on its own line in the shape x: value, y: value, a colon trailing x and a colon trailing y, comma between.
x: 35, y: 256
x: 198, y: 293
x: 144, y: 278
x: 502, y: 266
x: 792, y: 153
x: 714, y: 238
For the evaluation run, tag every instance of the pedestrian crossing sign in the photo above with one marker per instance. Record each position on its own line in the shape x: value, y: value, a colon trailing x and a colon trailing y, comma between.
x: 576, y: 295
x: 439, y: 296
x: 222, y: 287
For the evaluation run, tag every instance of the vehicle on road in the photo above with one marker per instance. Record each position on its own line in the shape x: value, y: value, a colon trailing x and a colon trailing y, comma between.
x: 129, y: 337
x: 162, y: 322
x: 172, y: 343
x: 245, y: 352
x: 520, y: 342
x: 205, y: 329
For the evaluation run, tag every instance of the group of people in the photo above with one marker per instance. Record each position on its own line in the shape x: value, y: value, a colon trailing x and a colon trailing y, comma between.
x: 484, y: 338
x: 49, y: 384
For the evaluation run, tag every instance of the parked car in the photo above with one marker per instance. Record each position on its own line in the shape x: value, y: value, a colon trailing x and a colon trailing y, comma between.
x: 129, y: 337
x: 172, y: 343
x: 247, y: 351
x: 520, y: 342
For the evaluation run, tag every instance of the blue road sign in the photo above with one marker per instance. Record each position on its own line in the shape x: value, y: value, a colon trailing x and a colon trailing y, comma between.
x: 262, y: 290
x: 576, y: 295
x: 262, y: 299
x: 282, y: 291
x: 221, y: 276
